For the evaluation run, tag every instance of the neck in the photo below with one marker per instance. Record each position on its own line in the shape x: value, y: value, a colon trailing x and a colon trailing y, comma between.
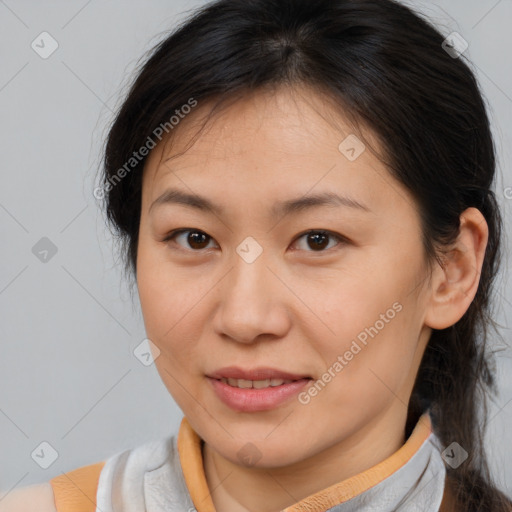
x: 237, y: 488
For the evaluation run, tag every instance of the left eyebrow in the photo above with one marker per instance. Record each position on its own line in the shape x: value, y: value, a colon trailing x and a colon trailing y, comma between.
x: 176, y: 196
x: 315, y: 200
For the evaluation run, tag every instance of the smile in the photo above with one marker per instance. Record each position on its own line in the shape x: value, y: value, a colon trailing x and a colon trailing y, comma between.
x: 256, y: 384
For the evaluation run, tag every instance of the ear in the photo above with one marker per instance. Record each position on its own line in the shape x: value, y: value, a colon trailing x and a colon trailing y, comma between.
x: 454, y: 285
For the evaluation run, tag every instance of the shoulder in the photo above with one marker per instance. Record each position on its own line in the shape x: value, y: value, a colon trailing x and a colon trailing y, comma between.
x: 74, y: 490
x: 34, y: 498
x: 78, y: 489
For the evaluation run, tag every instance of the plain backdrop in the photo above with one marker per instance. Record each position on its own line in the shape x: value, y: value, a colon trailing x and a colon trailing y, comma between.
x: 72, y: 391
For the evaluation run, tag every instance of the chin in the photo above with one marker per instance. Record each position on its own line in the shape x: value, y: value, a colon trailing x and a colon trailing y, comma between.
x: 261, y: 455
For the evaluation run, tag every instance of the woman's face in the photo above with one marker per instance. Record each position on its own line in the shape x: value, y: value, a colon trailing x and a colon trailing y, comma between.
x: 247, y: 287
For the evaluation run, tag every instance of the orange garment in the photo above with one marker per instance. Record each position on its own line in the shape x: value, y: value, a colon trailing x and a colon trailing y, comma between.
x: 75, y: 491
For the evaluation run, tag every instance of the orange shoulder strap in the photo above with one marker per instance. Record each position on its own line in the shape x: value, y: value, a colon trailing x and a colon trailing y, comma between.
x: 75, y: 491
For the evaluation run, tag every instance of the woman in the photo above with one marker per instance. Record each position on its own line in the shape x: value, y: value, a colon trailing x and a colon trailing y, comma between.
x: 304, y: 193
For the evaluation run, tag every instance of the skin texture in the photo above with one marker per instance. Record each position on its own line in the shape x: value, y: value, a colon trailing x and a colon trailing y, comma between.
x: 28, y: 499
x: 296, y: 307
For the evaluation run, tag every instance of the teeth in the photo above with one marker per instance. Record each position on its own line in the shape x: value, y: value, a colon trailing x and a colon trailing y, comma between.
x: 256, y: 384
x: 244, y: 383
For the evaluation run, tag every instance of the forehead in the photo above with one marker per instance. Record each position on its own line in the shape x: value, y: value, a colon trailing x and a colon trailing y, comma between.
x: 290, y: 120
x: 271, y: 141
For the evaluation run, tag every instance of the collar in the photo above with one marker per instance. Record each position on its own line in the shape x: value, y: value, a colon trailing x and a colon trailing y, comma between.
x: 414, y: 474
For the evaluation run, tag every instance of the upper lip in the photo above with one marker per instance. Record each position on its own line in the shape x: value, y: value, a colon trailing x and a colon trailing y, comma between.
x: 260, y: 373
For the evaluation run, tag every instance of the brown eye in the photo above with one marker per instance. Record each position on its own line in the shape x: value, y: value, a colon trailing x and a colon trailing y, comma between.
x: 318, y: 240
x: 195, y: 239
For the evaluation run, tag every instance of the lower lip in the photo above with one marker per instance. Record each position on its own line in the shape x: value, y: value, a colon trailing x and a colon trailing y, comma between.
x: 252, y: 400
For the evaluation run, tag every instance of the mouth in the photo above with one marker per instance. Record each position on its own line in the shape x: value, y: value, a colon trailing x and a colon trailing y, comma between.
x: 255, y: 378
x: 258, y: 389
x: 255, y: 384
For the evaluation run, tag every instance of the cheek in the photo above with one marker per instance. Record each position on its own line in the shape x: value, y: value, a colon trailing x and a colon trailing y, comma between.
x: 172, y: 324
x: 369, y: 347
x: 167, y: 304
x: 162, y: 291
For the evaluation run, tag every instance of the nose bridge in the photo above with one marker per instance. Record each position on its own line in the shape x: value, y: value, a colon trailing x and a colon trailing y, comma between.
x: 249, y: 301
x: 250, y: 273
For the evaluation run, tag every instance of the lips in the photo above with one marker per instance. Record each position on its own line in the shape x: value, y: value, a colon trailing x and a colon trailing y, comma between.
x: 256, y: 390
x: 235, y: 372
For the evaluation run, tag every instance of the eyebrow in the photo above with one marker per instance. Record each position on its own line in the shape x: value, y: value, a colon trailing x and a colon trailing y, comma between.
x: 175, y: 196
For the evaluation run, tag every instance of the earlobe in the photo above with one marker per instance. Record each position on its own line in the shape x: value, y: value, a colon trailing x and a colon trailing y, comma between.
x: 455, y: 284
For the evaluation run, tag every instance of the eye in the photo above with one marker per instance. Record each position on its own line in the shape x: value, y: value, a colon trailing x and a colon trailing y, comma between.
x: 195, y: 238
x: 319, y: 239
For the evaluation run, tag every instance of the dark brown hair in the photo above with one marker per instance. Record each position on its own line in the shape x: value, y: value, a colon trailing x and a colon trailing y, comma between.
x: 386, y: 67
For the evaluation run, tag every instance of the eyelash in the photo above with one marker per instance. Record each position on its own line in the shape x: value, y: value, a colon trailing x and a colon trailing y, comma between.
x: 173, y: 234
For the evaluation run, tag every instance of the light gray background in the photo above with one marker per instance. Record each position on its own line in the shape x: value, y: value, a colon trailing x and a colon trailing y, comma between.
x: 68, y: 326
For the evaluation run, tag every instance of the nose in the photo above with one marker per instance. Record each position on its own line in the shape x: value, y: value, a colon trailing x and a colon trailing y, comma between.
x: 252, y: 303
